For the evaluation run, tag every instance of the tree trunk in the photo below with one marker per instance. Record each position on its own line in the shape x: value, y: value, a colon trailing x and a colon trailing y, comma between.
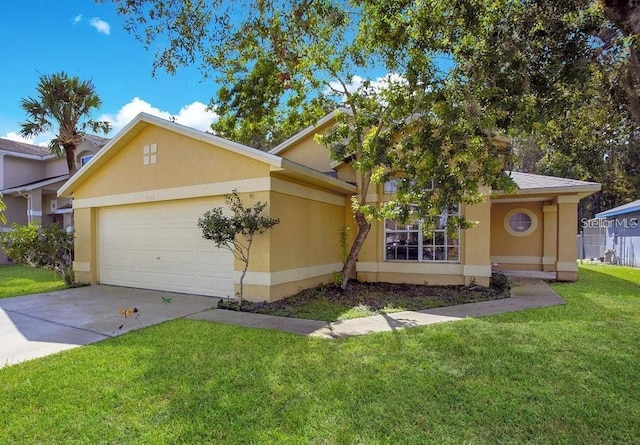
x: 363, y: 230
x: 244, y: 272
x: 623, y: 13
x: 70, y: 152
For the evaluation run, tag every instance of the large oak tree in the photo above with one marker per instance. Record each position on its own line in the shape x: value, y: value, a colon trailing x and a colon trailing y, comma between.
x: 429, y: 86
x: 281, y: 62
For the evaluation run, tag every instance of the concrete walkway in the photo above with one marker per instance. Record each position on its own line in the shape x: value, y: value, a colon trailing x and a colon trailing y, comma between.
x: 526, y: 293
x: 39, y: 325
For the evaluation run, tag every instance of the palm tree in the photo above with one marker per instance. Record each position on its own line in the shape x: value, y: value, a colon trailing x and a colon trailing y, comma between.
x: 67, y: 102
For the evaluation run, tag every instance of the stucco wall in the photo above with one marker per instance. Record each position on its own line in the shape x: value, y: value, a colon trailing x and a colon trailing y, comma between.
x: 55, y: 167
x: 19, y: 171
x: 516, y: 252
x: 16, y: 210
x: 308, y: 234
x: 16, y: 213
x: 308, y: 152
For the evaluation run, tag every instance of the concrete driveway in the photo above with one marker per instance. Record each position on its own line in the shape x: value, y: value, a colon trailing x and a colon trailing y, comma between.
x: 34, y: 326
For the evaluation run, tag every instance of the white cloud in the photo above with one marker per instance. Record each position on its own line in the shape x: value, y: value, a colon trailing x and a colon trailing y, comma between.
x: 42, y: 140
x: 77, y: 19
x: 374, y: 85
x: 194, y: 115
x: 100, y: 25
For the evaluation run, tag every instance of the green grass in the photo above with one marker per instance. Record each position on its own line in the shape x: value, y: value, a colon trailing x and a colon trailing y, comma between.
x: 563, y: 374
x: 23, y: 280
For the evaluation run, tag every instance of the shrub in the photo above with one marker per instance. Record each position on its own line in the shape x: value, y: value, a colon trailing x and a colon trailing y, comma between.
x: 36, y: 246
x: 22, y: 244
x: 500, y: 282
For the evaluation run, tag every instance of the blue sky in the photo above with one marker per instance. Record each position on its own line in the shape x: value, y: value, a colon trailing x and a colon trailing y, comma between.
x: 86, y: 39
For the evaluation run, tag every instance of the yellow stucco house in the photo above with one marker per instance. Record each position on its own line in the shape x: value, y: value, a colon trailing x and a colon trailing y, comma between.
x: 136, y: 207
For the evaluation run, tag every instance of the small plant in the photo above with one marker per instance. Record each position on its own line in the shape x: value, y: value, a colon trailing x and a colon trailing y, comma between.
x: 337, y: 278
x: 500, y: 282
x: 236, y: 233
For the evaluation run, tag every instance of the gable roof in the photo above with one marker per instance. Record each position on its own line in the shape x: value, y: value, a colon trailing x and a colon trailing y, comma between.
x: 529, y: 183
x: 95, y: 139
x: 630, y: 207
x: 144, y: 120
x: 22, y: 149
x: 307, y: 131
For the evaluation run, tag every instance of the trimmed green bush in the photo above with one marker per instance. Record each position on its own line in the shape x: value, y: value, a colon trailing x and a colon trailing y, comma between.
x: 500, y: 282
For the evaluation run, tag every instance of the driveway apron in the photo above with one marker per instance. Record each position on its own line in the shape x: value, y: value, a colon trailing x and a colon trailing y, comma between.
x: 34, y: 326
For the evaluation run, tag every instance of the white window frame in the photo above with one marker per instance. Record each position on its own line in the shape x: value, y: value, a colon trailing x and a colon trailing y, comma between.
x: 422, y: 254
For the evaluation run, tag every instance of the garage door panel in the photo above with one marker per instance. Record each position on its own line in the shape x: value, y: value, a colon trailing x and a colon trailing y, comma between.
x: 159, y: 246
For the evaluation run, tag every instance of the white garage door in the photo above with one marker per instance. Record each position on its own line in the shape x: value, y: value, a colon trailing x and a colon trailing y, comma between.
x: 159, y: 246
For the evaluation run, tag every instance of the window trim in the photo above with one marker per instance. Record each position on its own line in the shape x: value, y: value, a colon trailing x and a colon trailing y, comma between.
x: 421, y: 244
x: 87, y: 157
x: 511, y: 213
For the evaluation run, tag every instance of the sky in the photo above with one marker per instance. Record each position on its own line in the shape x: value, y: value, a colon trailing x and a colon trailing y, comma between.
x: 87, y: 39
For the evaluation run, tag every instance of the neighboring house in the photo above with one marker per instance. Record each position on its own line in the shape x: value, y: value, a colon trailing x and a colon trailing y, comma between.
x: 622, y: 240
x: 591, y: 240
x: 136, y: 207
x: 30, y: 177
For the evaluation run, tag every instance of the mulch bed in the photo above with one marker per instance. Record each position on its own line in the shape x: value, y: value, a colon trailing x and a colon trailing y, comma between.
x: 375, y: 296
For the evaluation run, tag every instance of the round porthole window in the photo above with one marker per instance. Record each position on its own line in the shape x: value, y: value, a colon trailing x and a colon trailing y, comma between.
x: 520, y: 222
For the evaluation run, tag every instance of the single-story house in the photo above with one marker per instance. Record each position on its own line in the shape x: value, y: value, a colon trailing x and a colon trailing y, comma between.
x: 136, y: 207
x: 30, y: 177
x: 622, y: 240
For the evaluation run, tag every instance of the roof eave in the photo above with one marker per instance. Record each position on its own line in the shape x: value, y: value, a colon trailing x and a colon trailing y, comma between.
x: 28, y: 156
x: 609, y: 213
x: 34, y: 186
x: 583, y: 190
x: 318, y: 177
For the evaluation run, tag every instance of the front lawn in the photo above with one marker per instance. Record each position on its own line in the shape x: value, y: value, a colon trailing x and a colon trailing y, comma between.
x: 562, y: 374
x: 23, y: 280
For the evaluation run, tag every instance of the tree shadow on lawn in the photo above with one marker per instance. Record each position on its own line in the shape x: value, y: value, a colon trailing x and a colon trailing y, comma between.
x: 562, y: 373
x: 466, y: 381
x: 469, y: 381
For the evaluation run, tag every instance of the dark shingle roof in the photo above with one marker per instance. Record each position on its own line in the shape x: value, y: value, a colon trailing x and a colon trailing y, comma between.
x: 529, y: 181
x: 23, y: 148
